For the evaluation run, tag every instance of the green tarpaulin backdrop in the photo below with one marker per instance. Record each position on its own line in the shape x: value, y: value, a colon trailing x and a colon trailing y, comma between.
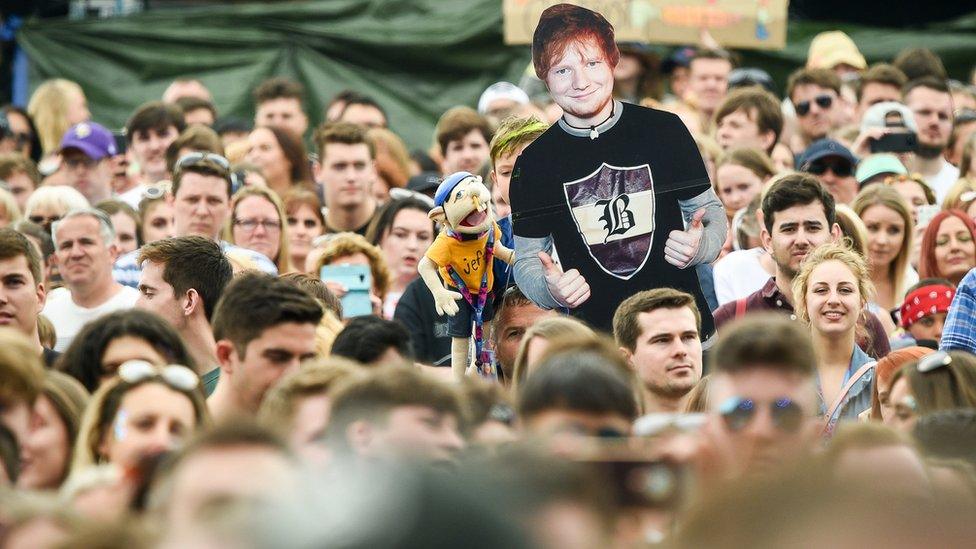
x: 416, y: 57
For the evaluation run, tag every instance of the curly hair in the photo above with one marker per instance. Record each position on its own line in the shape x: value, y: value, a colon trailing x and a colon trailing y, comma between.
x: 830, y: 252
x: 346, y: 244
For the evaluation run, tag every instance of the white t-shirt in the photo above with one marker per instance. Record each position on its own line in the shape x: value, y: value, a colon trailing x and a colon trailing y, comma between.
x: 133, y: 196
x: 942, y: 181
x: 68, y: 318
x: 739, y: 274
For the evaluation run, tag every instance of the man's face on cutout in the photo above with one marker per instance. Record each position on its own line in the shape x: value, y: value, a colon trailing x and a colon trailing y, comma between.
x: 581, y: 82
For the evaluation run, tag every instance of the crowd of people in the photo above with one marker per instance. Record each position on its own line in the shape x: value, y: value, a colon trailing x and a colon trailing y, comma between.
x: 188, y: 359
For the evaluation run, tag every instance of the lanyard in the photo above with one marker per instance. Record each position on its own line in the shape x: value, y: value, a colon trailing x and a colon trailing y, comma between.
x: 482, y: 358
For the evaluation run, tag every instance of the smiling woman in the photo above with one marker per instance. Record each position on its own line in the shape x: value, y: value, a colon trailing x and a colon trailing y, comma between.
x: 948, y: 246
x: 830, y: 293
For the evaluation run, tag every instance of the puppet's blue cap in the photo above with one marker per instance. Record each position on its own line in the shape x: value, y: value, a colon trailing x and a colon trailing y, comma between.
x: 446, y: 186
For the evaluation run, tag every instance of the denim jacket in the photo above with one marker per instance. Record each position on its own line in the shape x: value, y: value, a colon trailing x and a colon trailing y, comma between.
x: 857, y: 398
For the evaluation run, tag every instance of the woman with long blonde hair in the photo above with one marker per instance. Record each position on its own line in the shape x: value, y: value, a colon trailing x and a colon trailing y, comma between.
x: 55, y: 106
x: 830, y: 294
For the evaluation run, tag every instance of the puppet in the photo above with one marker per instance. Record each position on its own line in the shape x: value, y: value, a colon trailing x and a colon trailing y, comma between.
x: 462, y: 255
x: 619, y: 190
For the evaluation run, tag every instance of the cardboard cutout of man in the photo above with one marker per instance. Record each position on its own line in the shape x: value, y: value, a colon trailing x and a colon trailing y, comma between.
x: 611, y: 185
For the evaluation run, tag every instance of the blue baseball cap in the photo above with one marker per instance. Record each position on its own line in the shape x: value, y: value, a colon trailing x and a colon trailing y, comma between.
x: 822, y: 149
x: 91, y: 138
x: 446, y: 186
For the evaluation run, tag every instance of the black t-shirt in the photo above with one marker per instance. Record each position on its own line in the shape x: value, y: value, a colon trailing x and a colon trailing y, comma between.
x: 610, y: 203
x: 428, y: 330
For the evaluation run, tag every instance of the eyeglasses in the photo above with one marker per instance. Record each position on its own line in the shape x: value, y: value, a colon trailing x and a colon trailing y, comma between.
x: 934, y: 361
x: 738, y: 412
x: 201, y: 158
x: 822, y: 101
x: 80, y: 161
x: 174, y: 375
x: 840, y: 169
x: 252, y: 224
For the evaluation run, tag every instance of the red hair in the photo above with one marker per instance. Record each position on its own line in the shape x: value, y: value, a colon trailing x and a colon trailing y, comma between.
x: 927, y: 266
x: 565, y: 24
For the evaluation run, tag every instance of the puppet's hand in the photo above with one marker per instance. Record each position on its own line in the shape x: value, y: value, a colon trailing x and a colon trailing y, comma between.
x: 445, y: 301
x: 682, y: 246
x: 569, y: 288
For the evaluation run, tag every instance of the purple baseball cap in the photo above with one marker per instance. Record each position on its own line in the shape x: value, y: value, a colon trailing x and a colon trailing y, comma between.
x: 91, y: 138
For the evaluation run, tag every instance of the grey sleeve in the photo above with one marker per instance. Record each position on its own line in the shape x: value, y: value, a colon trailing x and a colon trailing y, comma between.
x: 714, y: 222
x: 529, y: 275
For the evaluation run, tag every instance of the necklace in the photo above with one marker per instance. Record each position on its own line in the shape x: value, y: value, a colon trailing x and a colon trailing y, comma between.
x: 593, y: 132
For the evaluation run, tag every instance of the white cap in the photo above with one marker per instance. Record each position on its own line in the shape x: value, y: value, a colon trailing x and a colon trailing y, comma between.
x: 874, y: 117
x: 501, y: 90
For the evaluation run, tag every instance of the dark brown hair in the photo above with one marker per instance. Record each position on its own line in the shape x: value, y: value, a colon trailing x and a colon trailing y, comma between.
x: 626, y: 328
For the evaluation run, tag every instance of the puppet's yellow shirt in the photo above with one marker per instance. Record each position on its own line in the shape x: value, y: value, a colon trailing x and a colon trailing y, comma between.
x: 466, y: 256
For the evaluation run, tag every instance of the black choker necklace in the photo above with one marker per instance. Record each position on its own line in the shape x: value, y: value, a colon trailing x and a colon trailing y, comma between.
x: 593, y: 133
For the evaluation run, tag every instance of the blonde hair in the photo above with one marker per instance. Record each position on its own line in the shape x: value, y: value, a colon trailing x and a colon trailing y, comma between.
x: 60, y: 198
x: 283, y: 259
x: 822, y: 254
x: 960, y: 195
x: 9, y: 204
x: 548, y: 329
x: 48, y: 107
x: 94, y: 420
x: 852, y: 228
x: 346, y: 244
x: 883, y: 195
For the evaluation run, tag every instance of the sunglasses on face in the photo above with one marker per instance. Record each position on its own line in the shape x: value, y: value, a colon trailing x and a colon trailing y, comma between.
x: 822, y: 101
x: 80, y: 161
x: 44, y: 221
x: 840, y: 169
x: 738, y: 412
x: 176, y: 376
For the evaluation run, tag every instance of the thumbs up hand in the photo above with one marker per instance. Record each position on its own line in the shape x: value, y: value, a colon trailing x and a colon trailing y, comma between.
x: 682, y: 246
x: 569, y: 288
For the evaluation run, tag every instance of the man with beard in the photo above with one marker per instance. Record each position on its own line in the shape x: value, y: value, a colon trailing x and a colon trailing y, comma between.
x: 931, y: 102
x: 657, y: 331
x: 798, y: 216
x: 619, y: 190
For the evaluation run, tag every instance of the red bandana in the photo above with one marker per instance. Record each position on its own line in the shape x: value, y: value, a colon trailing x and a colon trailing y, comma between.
x: 924, y: 301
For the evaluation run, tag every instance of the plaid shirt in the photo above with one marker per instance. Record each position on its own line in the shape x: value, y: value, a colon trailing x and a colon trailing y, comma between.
x: 959, y: 332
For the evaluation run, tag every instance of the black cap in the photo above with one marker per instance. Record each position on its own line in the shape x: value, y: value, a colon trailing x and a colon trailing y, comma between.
x: 424, y: 182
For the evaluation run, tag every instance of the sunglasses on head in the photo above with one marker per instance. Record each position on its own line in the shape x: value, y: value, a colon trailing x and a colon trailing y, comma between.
x: 840, y: 169
x: 176, y: 376
x: 155, y: 192
x: 822, y: 101
x: 202, y: 158
x: 934, y: 361
x: 738, y: 412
